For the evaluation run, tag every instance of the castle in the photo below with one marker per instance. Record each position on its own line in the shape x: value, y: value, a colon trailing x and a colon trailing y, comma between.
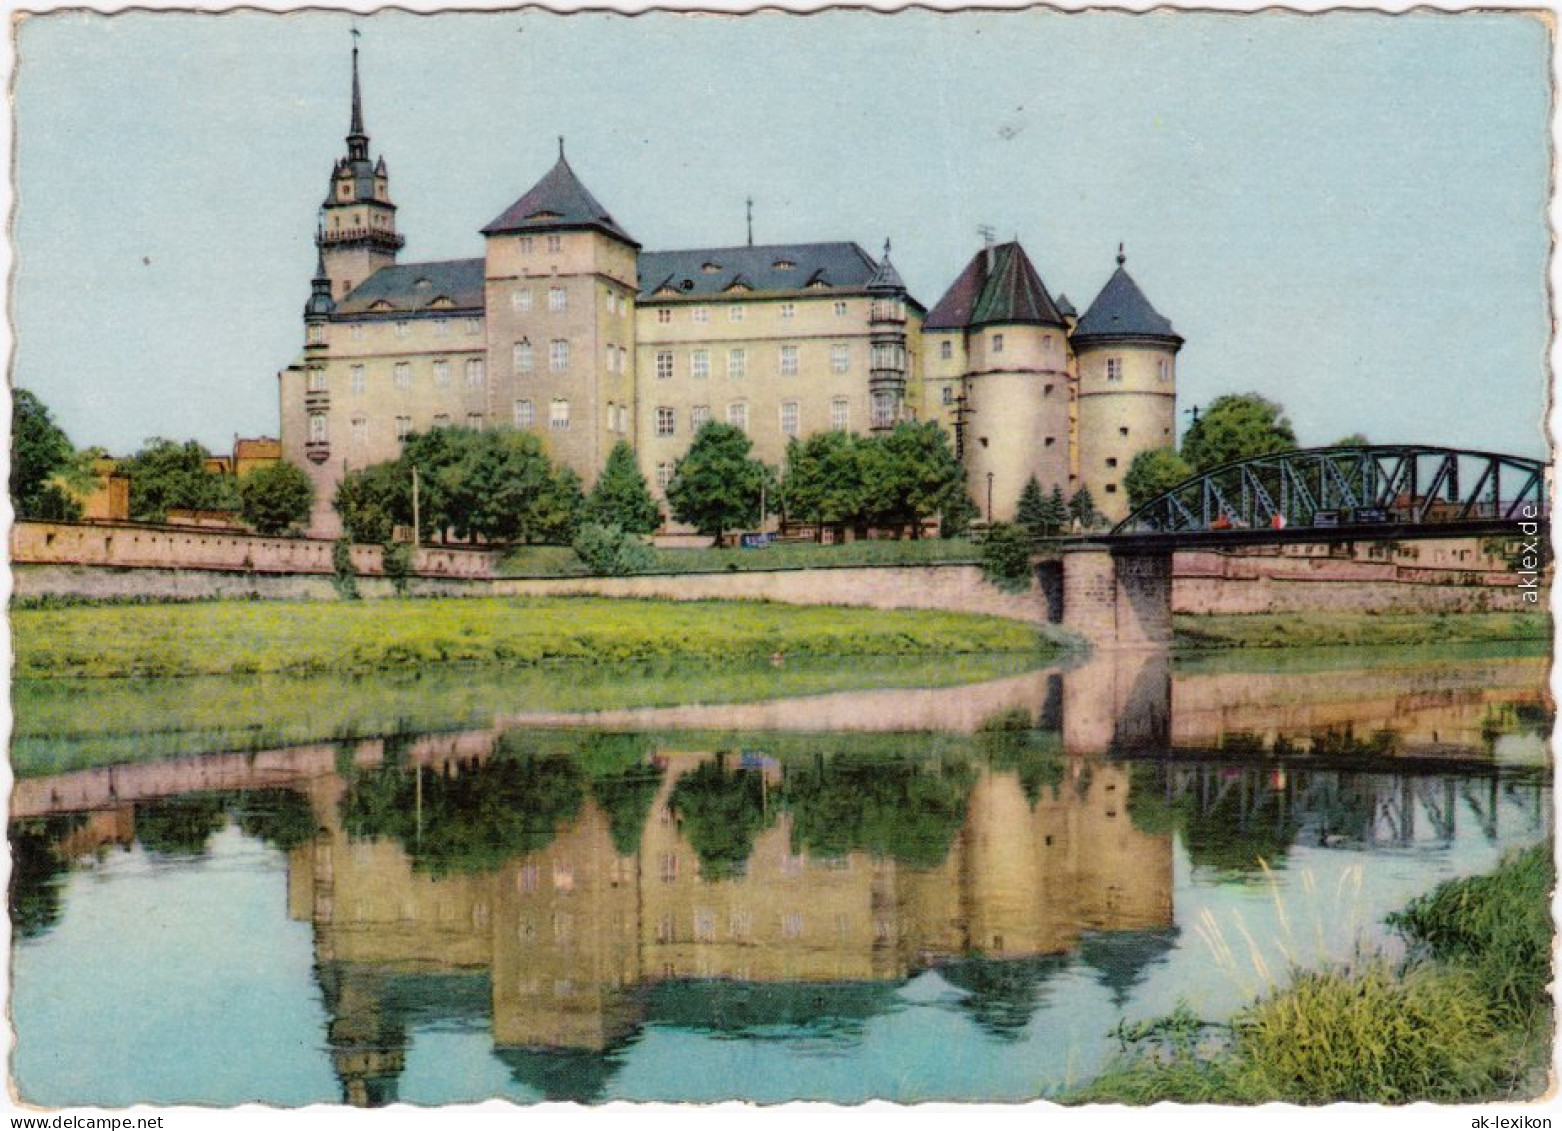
x: 566, y: 327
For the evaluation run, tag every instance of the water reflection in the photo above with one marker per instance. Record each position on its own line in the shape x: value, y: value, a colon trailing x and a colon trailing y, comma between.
x: 573, y: 893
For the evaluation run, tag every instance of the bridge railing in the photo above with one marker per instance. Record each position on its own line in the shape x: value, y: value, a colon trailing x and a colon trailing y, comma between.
x: 1370, y: 485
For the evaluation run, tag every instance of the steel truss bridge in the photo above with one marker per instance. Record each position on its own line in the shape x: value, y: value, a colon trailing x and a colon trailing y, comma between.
x: 1379, y: 492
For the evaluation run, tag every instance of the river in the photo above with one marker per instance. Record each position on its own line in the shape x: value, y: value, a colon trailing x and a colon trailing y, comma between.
x: 649, y: 887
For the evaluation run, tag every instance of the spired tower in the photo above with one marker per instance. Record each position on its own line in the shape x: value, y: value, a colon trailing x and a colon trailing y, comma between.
x: 1127, y: 387
x: 887, y: 337
x: 1016, y: 379
x: 357, y: 221
x: 560, y: 280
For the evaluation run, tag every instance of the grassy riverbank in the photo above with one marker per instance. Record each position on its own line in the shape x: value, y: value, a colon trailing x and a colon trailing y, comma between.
x: 1322, y: 630
x: 214, y: 638
x: 1465, y: 1017
x: 561, y: 561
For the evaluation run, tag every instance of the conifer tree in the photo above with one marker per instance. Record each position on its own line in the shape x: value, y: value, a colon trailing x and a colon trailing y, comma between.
x: 621, y: 497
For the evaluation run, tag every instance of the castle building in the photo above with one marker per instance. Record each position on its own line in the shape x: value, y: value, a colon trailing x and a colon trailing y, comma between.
x: 566, y: 327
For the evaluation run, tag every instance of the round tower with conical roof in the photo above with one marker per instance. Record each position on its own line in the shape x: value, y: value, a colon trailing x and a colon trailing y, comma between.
x: 1127, y: 356
x: 1016, y: 386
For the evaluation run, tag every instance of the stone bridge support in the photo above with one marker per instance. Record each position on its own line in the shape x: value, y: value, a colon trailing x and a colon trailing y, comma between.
x: 1120, y: 600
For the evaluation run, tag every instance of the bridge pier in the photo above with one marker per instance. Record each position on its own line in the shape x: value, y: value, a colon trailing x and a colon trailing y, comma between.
x: 1118, y: 600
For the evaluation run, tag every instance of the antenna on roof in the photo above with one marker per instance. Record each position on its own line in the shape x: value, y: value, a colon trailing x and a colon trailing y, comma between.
x: 987, y: 233
x: 751, y: 221
x: 561, y: 147
x: 1121, y: 258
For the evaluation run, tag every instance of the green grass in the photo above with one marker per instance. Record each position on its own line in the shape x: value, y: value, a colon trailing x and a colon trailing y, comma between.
x: 1466, y: 1017
x: 561, y: 561
x: 1313, y: 630
x: 251, y: 637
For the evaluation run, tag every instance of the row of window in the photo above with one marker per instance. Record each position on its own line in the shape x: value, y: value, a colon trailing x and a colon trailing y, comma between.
x: 735, y: 312
x: 737, y: 416
x: 737, y: 362
x: 528, y: 244
x: 441, y: 327
x: 320, y: 432
x: 402, y: 375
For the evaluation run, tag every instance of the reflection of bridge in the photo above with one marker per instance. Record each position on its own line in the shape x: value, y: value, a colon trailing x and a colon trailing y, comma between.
x: 1117, y: 590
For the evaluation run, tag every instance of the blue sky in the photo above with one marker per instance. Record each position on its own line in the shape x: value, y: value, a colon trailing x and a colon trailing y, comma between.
x: 1343, y: 212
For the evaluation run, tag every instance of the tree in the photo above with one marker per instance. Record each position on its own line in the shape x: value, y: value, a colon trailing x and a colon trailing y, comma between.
x: 621, y: 497
x: 373, y: 500
x: 1006, y: 557
x: 1237, y: 426
x: 1354, y: 440
x: 41, y: 454
x: 910, y: 474
x: 166, y: 475
x: 1152, y: 473
x: 276, y: 498
x: 1031, y: 512
x: 1082, y: 509
x: 1055, y: 515
x: 717, y: 486
x: 824, y: 479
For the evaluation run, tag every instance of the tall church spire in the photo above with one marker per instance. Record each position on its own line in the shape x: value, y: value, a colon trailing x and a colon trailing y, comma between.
x: 357, y: 139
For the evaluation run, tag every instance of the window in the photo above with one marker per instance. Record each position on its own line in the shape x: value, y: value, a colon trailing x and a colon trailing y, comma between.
x: 360, y: 430
x: 1114, y: 371
x: 949, y: 394
x: 1046, y: 342
x: 442, y: 327
x: 558, y: 416
x: 789, y: 310
x: 403, y: 329
x: 474, y: 421
x: 1163, y: 369
x: 666, y: 420
x: 558, y: 300
x: 789, y: 418
x: 474, y: 327
x: 840, y: 414
x: 792, y: 925
x: 1111, y: 488
x: 1050, y: 441
x: 699, y: 363
x: 316, y: 334
x: 734, y: 313
x: 664, y: 316
x: 524, y: 417
x: 789, y: 361
x: 623, y: 419
x: 316, y: 383
x: 521, y: 300
x: 609, y: 303
x: 840, y: 310
x: 737, y: 416
x: 317, y: 426
x: 737, y: 363
x: 526, y: 245
x: 610, y: 358
x: 355, y: 331
x: 1111, y: 461
x: 887, y: 356
x: 699, y: 417
x: 558, y: 355
x: 442, y: 373
x: 555, y: 243
x: 997, y: 343
x: 840, y: 359
x: 623, y: 360
x: 946, y: 350
x: 355, y: 379
x: 664, y: 364
x: 403, y: 427
x: 441, y: 420
x: 403, y: 375
x: 1123, y: 431
x: 474, y: 372
x: 701, y: 314
x: 664, y: 474
x: 883, y: 410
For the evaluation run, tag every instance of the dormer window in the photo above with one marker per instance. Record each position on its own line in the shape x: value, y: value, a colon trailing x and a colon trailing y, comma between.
x: 784, y: 265
x: 543, y: 216
x: 710, y: 268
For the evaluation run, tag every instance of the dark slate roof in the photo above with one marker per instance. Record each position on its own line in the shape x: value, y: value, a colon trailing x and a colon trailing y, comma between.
x: 1121, y: 311
x: 558, y: 201
x: 704, y: 272
x: 1065, y: 307
x: 886, y: 278
x: 1011, y: 291
x: 414, y: 287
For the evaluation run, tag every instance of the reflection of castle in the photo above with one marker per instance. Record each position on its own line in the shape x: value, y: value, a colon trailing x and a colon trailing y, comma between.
x: 579, y: 938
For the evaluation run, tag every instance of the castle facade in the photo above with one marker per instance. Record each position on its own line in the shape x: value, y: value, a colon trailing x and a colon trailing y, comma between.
x: 567, y: 327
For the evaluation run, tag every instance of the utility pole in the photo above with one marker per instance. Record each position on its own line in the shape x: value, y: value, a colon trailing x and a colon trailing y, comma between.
x: 414, y: 506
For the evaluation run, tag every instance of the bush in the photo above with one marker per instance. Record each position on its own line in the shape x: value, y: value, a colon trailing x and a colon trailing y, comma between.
x: 397, y: 563
x: 610, y: 552
x: 1006, y: 557
x: 346, y: 573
